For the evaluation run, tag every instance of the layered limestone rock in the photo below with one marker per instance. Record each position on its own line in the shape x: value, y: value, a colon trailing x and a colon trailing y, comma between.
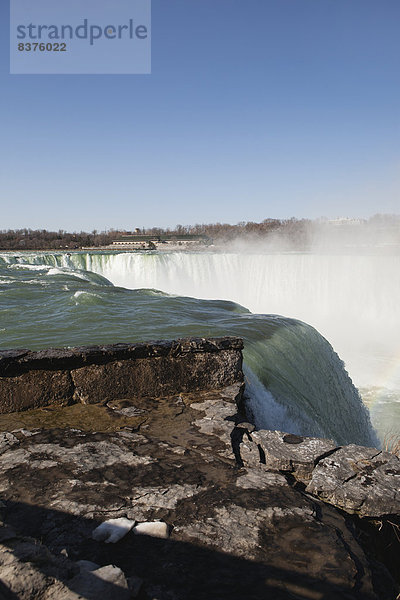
x: 359, y: 480
x: 104, y: 373
x: 225, y: 508
x: 284, y: 452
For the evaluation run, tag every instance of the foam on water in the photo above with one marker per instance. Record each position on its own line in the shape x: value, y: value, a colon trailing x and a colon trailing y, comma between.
x: 84, y: 297
x: 265, y: 411
x: 27, y: 267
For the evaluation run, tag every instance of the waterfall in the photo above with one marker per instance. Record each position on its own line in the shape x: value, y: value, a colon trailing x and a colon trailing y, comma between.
x: 353, y: 300
x: 296, y: 380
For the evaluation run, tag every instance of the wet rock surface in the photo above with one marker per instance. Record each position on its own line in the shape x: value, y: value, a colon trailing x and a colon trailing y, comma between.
x: 234, y: 531
x: 196, y: 503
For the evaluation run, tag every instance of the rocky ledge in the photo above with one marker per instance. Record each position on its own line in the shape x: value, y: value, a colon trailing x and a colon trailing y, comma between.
x: 193, y: 503
x: 98, y: 373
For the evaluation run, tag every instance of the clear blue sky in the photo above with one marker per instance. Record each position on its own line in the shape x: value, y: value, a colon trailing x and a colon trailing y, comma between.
x: 254, y: 109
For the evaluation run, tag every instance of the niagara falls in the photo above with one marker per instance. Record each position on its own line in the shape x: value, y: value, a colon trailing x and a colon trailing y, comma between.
x: 319, y: 329
x: 199, y: 300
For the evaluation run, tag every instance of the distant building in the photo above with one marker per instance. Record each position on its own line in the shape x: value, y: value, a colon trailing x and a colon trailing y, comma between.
x: 345, y: 221
x: 141, y: 240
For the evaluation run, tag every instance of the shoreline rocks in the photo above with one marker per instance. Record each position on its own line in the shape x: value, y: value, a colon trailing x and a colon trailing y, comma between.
x: 244, y: 513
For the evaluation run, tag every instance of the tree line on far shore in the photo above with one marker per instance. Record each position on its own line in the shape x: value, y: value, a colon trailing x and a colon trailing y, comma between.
x: 41, y: 239
x: 292, y: 233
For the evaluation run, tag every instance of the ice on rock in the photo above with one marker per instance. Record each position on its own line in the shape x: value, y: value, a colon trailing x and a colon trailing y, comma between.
x: 113, y: 530
x: 152, y: 528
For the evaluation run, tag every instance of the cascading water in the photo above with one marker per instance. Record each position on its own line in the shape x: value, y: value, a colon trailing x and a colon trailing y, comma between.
x: 353, y: 300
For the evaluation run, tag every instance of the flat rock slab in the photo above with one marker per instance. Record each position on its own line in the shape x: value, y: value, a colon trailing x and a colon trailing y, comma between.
x: 359, y: 480
x: 280, y: 451
x: 234, y: 532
